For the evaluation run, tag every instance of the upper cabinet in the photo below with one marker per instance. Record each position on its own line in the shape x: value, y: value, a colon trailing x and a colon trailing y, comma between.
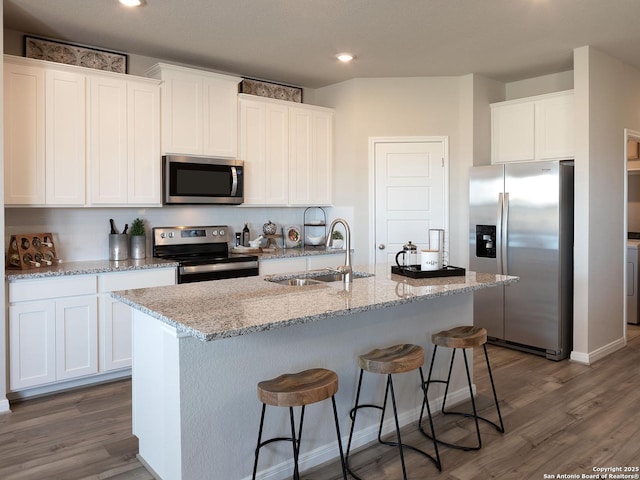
x: 533, y: 128
x: 76, y: 136
x: 288, y: 152
x: 124, y: 142
x: 199, y: 111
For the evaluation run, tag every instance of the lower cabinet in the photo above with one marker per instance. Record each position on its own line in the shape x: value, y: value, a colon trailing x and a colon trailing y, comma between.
x: 69, y: 327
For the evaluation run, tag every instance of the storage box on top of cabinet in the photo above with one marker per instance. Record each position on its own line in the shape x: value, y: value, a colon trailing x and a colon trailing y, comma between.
x: 533, y: 128
x: 199, y: 111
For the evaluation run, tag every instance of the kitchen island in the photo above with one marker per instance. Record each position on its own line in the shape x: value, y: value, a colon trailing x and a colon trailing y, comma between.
x: 200, y: 349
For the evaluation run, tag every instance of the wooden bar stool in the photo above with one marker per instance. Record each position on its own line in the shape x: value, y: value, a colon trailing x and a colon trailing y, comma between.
x: 387, y: 361
x: 297, y: 390
x: 455, y: 338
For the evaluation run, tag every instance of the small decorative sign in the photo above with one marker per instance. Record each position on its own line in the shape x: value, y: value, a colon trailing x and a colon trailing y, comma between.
x: 271, y: 90
x: 70, y: 54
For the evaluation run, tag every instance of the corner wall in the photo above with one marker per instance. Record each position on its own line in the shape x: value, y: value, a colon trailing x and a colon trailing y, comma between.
x: 4, y: 403
x: 607, y: 94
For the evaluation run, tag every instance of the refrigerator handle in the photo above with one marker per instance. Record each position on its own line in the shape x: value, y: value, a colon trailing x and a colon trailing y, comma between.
x: 505, y: 234
x: 499, y: 234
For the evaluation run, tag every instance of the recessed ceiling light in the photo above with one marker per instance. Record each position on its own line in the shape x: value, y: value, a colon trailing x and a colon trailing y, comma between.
x: 345, y: 57
x: 131, y: 3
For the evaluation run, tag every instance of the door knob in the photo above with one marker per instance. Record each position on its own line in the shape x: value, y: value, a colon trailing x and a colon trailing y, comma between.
x: 382, y: 246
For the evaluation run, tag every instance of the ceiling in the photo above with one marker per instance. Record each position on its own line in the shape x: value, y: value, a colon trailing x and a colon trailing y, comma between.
x: 295, y: 41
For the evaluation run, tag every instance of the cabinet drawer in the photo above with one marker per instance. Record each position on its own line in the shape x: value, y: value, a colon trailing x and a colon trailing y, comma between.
x: 156, y: 277
x: 27, y: 290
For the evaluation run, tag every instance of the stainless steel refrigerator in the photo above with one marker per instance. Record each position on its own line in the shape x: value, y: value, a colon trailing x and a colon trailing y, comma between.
x: 521, y: 223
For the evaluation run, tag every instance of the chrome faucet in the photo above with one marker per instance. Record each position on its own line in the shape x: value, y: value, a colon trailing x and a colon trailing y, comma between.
x: 345, y: 269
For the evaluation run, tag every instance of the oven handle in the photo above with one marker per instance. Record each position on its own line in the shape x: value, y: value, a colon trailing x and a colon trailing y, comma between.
x: 234, y: 182
x: 217, y: 267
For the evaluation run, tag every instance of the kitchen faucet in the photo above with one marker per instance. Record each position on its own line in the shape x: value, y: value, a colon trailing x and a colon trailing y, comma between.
x: 346, y: 268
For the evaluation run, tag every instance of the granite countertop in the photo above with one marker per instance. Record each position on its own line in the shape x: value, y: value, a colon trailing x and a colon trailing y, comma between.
x: 240, y: 306
x: 88, y: 267
x: 306, y: 251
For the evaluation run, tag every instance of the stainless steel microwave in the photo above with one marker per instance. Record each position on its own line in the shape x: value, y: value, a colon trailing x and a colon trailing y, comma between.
x: 202, y: 180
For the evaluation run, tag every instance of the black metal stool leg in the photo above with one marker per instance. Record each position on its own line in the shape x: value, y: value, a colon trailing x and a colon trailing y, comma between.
x: 395, y: 417
x: 352, y: 414
x: 335, y: 417
x: 255, y: 463
x: 448, y: 381
x: 473, y: 401
x: 425, y: 402
x: 493, y: 387
x: 296, y: 474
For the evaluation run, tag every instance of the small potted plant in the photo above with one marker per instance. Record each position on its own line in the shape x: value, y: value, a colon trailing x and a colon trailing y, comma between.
x: 138, y: 239
x: 337, y: 239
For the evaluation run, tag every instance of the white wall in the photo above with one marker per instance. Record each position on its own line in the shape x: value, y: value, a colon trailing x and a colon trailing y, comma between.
x: 4, y: 404
x: 555, y: 82
x: 82, y: 233
x: 607, y: 94
x: 386, y: 107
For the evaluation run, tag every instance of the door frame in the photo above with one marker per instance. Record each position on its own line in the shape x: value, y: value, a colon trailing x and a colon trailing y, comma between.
x: 444, y: 139
x: 628, y: 135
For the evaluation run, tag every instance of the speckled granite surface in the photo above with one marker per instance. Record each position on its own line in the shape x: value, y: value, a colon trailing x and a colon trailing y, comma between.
x: 227, y: 308
x: 88, y: 267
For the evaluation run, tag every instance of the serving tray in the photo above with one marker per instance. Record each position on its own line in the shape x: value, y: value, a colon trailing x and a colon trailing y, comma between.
x: 414, y: 272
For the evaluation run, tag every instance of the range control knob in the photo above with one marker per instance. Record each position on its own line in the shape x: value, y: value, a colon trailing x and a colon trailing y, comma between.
x: 162, y: 235
x: 171, y: 234
x: 214, y: 233
x: 221, y: 232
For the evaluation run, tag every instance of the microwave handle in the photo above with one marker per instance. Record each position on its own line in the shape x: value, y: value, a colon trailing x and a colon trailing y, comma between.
x: 234, y: 181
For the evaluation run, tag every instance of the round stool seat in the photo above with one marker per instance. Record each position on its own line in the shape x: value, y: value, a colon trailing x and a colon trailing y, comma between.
x: 395, y: 359
x: 298, y: 389
x: 460, y: 337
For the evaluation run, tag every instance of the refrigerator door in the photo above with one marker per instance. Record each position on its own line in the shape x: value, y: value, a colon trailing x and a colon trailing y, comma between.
x: 532, y: 231
x: 486, y: 187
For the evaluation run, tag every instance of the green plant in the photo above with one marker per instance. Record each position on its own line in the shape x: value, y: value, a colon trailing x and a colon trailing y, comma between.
x: 337, y: 235
x: 137, y: 227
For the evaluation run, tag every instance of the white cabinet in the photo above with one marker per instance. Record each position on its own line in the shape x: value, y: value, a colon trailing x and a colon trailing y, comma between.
x: 115, y: 317
x: 69, y: 327
x: 124, y: 142
x: 311, y: 156
x: 77, y: 136
x: 44, y: 120
x: 24, y: 133
x: 288, y: 152
x: 264, y: 147
x: 199, y: 111
x: 533, y: 128
x: 52, y: 330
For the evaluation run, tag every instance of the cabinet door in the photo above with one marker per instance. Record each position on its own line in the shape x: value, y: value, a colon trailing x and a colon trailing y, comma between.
x: 65, y: 138
x: 182, y: 113
x: 512, y: 132
x: 24, y: 135
x: 107, y: 140
x: 311, y: 157
x: 115, y: 334
x: 32, y: 340
x: 144, y: 168
x: 554, y: 128
x: 264, y: 147
x: 220, y: 118
x: 76, y: 337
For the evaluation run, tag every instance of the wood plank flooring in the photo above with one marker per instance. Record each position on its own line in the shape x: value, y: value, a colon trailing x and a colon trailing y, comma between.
x: 560, y: 417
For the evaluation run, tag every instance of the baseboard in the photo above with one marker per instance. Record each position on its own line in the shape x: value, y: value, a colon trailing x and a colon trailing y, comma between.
x: 360, y: 438
x: 597, y: 354
x: 64, y: 386
x: 4, y: 406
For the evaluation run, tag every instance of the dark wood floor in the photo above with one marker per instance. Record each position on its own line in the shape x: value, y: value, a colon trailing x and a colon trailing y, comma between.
x: 561, y: 418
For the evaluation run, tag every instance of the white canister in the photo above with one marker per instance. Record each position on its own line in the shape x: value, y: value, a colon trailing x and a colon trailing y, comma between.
x: 430, y: 260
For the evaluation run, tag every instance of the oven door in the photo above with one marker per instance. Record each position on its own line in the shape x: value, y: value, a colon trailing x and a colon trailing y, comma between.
x: 217, y: 271
x: 195, y: 180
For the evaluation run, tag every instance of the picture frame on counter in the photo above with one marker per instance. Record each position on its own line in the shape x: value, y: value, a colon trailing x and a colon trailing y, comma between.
x: 74, y: 54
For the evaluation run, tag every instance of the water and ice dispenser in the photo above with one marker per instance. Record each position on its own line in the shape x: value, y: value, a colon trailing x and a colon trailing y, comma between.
x: 486, y: 241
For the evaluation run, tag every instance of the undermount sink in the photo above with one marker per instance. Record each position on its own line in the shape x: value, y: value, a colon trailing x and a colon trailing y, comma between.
x: 315, y: 278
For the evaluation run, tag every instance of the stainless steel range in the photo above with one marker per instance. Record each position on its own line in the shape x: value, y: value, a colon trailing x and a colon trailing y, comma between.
x: 202, y: 253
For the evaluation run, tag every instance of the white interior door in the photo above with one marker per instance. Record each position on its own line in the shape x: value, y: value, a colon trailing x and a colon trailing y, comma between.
x: 411, y: 194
